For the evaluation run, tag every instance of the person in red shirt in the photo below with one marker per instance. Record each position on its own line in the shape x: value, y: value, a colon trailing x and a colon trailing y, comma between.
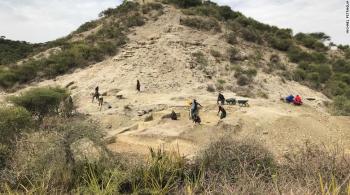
x: 297, y: 101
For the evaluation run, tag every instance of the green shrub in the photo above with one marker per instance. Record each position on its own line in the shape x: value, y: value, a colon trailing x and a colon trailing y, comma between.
x: 232, y: 54
x: 152, y: 6
x: 207, y: 24
x: 12, y: 51
x: 243, y: 80
x: 184, y: 3
x: 281, y: 44
x: 227, y: 13
x: 342, y: 105
x: 200, y: 59
x: 310, y: 42
x: 335, y: 88
x: 297, y: 55
x: 204, y: 10
x: 41, y: 101
x: 7, y: 78
x: 221, y: 81
x: 250, y: 72
x: 231, y: 38
x: 73, y: 55
x: 123, y: 9
x: 341, y: 66
x: 233, y: 25
x: 250, y: 34
x: 284, y: 33
x: 13, y: 122
x: 87, y: 26
x: 135, y: 20
x: 162, y: 174
x: 323, y: 71
x: 299, y: 75
x: 245, y: 77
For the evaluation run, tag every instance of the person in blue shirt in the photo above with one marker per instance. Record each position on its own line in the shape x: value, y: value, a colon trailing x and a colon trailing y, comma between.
x: 290, y: 99
x: 194, y: 109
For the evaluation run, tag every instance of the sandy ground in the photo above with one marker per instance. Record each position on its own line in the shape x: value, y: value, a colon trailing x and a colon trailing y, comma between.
x: 159, y: 55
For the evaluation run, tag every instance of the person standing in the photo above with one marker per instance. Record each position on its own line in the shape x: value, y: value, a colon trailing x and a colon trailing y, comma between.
x: 223, y: 112
x: 221, y: 99
x: 194, y: 109
x: 138, y: 86
x: 96, y: 94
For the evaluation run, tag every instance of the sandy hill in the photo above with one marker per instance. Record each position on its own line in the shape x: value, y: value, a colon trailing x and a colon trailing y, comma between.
x: 161, y: 54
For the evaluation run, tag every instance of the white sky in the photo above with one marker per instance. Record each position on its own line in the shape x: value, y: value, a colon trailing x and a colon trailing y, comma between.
x: 45, y: 20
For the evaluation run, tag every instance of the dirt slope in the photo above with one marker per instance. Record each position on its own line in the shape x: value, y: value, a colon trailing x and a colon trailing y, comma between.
x: 159, y: 55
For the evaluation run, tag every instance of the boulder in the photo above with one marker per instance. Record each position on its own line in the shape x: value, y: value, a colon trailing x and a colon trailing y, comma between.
x: 148, y: 117
x: 85, y: 150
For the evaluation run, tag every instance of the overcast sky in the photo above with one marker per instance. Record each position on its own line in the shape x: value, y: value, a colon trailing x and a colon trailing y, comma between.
x: 44, y: 20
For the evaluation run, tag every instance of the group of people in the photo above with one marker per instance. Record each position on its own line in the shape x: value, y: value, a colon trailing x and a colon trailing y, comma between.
x: 96, y: 95
x: 295, y: 100
x: 194, y: 111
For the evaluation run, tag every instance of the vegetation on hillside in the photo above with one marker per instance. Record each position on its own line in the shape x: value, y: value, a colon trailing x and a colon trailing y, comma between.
x: 94, y: 48
x: 315, y: 68
x: 12, y: 51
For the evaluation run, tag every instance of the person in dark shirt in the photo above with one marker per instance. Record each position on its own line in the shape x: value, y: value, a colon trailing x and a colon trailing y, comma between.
x: 96, y: 94
x: 223, y: 112
x: 221, y: 99
x: 138, y: 86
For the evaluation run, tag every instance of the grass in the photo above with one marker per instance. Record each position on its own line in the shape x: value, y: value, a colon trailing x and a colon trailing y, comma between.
x: 225, y: 166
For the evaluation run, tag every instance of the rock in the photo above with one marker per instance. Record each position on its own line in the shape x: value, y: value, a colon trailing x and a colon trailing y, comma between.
x: 240, y: 56
x: 127, y: 107
x: 168, y: 116
x: 69, y: 84
x: 148, y: 117
x: 130, y: 128
x: 85, y: 150
x: 109, y: 126
x: 74, y: 87
x: 141, y: 113
x: 265, y: 132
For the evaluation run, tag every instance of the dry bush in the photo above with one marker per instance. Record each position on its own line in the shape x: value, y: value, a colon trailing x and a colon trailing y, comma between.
x: 231, y: 38
x: 309, y: 163
x: 216, y: 54
x: 199, y: 23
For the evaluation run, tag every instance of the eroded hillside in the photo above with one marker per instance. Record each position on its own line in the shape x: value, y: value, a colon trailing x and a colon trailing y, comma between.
x: 166, y: 57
